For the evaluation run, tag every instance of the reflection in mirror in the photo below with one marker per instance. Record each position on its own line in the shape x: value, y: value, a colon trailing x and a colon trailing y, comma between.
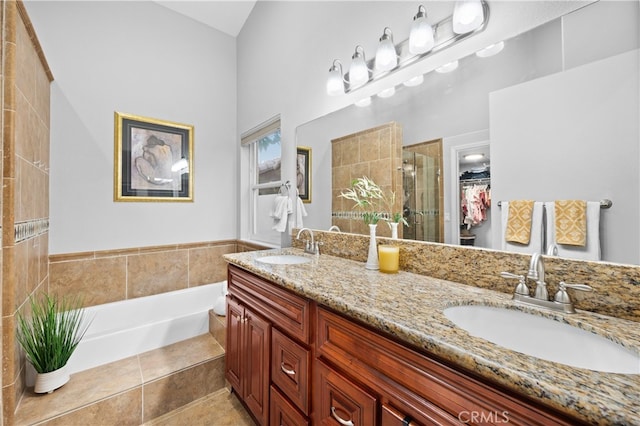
x: 558, y: 110
x: 423, y: 198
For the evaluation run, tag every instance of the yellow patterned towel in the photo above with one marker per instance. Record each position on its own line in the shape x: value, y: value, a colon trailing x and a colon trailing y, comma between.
x: 571, y: 222
x: 519, y: 221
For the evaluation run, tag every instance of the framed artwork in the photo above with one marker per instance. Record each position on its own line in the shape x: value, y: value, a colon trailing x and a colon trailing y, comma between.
x: 153, y: 159
x: 303, y: 173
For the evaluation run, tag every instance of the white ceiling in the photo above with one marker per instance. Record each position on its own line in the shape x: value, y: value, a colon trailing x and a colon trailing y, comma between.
x: 225, y: 16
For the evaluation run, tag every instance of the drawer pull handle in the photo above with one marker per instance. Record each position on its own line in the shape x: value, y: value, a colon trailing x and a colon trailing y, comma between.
x: 341, y: 421
x: 285, y: 370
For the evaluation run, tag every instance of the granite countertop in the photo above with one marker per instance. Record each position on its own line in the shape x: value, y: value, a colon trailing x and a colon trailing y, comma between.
x: 410, y: 307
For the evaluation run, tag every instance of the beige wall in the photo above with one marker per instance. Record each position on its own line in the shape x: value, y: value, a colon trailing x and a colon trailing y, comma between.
x: 110, y: 276
x: 375, y: 153
x: 25, y: 197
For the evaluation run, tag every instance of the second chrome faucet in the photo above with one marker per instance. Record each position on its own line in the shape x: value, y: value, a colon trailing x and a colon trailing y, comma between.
x: 561, y: 302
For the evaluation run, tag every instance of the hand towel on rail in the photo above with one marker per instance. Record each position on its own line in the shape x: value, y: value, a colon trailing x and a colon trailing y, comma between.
x: 591, y: 250
x: 571, y: 222
x: 536, y: 230
x: 282, y: 207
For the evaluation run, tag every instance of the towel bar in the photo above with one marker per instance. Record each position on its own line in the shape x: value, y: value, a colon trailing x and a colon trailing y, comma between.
x: 604, y: 204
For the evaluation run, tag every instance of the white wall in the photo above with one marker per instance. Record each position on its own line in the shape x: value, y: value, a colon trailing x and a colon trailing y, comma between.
x: 574, y: 135
x: 143, y: 59
x: 286, y: 48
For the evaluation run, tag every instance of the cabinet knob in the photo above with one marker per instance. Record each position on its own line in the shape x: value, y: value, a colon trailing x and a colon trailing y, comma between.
x: 339, y: 419
x: 286, y: 370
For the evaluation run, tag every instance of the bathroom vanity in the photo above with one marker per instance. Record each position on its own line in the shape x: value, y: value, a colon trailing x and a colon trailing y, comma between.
x: 327, y: 342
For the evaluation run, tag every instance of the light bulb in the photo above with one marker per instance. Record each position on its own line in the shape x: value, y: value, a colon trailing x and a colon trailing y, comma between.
x: 490, y: 50
x: 467, y: 16
x: 387, y: 93
x: 421, y: 35
x: 447, y: 67
x: 415, y: 81
x: 386, y: 56
x: 364, y: 102
x: 358, y: 71
x: 335, y: 82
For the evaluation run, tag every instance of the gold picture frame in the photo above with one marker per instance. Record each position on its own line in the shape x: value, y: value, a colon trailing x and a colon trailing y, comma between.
x: 153, y: 159
x: 303, y: 173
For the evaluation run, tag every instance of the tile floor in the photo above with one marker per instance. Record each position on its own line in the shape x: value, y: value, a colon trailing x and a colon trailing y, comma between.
x: 221, y: 408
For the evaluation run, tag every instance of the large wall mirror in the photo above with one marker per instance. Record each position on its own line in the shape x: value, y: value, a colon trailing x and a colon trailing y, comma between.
x: 555, y: 114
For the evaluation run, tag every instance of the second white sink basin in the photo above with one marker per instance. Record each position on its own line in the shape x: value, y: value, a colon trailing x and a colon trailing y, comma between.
x: 284, y: 259
x: 544, y: 338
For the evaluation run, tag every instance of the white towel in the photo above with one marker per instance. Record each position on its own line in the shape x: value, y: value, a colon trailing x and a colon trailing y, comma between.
x: 591, y: 251
x: 300, y: 213
x: 537, y: 231
x: 282, y: 207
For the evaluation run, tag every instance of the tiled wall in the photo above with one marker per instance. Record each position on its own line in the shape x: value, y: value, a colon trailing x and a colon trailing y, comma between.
x: 375, y: 153
x: 616, y: 287
x: 110, y: 276
x: 25, y: 197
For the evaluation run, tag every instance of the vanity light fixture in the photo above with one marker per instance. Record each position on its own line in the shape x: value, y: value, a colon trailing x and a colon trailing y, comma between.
x: 421, y: 35
x: 492, y: 49
x: 335, y: 82
x: 467, y: 16
x: 387, y: 93
x: 447, y: 67
x: 424, y: 39
x: 358, y: 72
x: 415, y: 81
x: 386, y: 56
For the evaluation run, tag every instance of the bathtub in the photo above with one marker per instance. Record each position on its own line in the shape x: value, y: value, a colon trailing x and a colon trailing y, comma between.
x: 123, y: 329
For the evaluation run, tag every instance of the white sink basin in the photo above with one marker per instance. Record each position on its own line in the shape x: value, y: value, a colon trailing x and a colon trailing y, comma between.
x: 284, y: 259
x: 544, y: 338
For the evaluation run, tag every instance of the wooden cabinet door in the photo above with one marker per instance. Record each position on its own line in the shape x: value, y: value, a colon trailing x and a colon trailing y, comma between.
x: 256, y: 365
x: 234, y: 345
x: 340, y: 402
x: 290, y: 364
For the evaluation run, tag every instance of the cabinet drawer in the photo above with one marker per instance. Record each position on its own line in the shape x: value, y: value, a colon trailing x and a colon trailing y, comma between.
x: 290, y: 364
x: 392, y: 416
x: 338, y: 401
x: 283, y: 413
x: 420, y: 382
x: 287, y: 311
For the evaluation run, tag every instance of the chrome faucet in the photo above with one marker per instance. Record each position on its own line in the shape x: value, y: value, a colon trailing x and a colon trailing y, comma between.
x: 334, y: 228
x: 536, y: 272
x: 561, y: 302
x: 310, y: 246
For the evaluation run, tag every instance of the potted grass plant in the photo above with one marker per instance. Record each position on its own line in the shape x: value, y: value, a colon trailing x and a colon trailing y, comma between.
x: 49, y: 335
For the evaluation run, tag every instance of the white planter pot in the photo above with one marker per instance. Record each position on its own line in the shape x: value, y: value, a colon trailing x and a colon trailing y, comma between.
x: 48, y: 382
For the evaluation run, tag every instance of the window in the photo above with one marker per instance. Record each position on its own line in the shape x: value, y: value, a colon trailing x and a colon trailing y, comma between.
x: 265, y: 178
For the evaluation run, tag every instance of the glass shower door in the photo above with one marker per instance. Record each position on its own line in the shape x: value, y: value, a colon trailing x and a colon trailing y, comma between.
x: 421, y: 187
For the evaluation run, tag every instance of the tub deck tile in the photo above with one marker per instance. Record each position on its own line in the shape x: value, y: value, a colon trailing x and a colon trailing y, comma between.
x: 85, y: 387
x: 187, y: 353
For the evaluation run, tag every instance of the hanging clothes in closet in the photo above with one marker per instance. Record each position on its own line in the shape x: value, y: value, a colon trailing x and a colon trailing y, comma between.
x: 474, y: 202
